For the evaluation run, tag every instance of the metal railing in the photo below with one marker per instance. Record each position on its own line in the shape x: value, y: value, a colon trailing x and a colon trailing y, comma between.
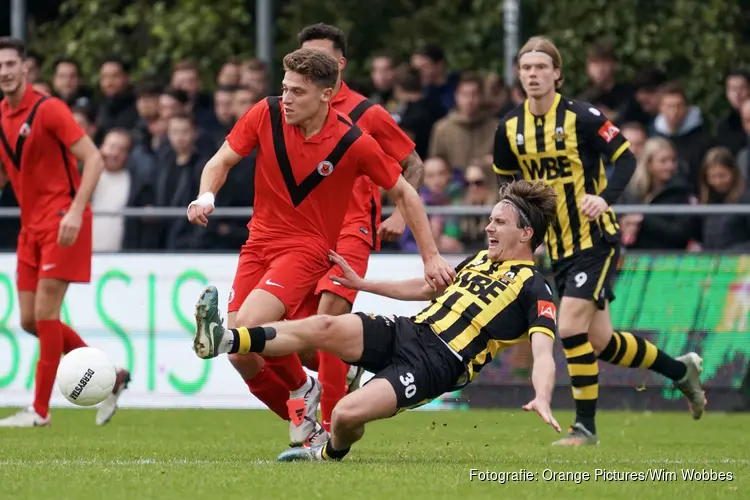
x: 455, y: 210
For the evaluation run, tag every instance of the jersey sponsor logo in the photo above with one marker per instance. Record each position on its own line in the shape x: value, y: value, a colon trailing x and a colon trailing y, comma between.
x: 486, y: 289
x: 325, y: 168
x: 548, y: 167
x: 608, y: 131
x: 363, y: 230
x: 271, y: 283
x: 547, y: 309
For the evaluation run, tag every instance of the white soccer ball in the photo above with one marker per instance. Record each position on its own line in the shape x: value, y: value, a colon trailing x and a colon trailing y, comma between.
x: 86, y: 376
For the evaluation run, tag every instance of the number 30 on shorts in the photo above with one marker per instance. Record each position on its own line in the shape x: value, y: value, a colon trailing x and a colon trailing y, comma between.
x: 408, y: 382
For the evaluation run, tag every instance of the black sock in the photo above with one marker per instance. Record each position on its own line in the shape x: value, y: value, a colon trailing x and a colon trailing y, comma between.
x: 584, y: 378
x: 247, y: 340
x: 329, y: 453
x: 626, y: 349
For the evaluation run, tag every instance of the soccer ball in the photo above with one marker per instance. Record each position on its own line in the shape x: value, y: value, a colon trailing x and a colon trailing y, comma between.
x: 86, y: 376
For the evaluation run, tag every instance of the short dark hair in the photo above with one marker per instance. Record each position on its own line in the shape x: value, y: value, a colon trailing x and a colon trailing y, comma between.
x: 176, y: 94
x: 226, y: 88
x: 407, y: 77
x: 9, y: 43
x: 320, y: 67
x: 68, y: 60
x: 536, y: 202
x: 148, y: 89
x: 121, y: 131
x: 323, y: 31
x: 471, y: 78
x: 186, y: 65
x: 116, y: 60
x: 649, y: 80
x: 86, y: 111
x: 674, y: 88
x: 601, y: 51
x: 431, y: 51
x: 738, y: 73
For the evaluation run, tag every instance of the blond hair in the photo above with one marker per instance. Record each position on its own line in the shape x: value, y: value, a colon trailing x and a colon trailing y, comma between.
x: 642, y: 183
x: 546, y: 46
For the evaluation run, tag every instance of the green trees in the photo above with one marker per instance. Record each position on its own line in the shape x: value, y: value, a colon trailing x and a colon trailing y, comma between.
x: 696, y: 41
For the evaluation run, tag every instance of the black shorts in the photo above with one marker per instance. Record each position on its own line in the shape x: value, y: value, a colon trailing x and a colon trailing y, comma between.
x: 589, y: 274
x: 417, y: 364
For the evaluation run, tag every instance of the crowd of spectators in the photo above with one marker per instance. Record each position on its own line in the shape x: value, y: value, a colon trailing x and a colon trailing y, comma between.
x: 155, y: 138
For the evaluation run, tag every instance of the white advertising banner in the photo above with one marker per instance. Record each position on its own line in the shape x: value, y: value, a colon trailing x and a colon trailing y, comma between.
x: 139, y: 309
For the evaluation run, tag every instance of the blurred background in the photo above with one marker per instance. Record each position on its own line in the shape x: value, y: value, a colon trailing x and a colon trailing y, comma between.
x: 674, y: 75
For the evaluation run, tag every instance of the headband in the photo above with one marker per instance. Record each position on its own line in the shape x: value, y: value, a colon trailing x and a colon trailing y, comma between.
x: 522, y: 217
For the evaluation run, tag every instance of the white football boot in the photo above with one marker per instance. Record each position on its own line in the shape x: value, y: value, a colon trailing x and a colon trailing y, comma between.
x: 303, y: 414
x: 690, y: 385
x: 108, y: 407
x: 27, y: 417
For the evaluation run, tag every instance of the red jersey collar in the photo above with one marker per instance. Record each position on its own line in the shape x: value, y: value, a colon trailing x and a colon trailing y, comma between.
x: 343, y: 93
x: 28, y: 100
x: 328, y: 127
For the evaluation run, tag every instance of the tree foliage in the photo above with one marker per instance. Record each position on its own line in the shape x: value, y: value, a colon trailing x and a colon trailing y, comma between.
x: 695, y: 41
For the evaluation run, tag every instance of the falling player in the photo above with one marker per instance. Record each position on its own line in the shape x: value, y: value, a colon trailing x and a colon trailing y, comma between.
x: 309, y: 157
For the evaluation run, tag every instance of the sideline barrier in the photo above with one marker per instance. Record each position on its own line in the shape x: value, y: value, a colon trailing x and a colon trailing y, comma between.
x: 139, y: 309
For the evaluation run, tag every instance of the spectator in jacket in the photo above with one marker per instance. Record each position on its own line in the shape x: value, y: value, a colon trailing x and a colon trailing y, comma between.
x: 656, y: 181
x: 122, y: 184
x: 117, y: 109
x: 186, y: 77
x: 438, y: 83
x: 469, y: 130
x: 382, y: 66
x: 722, y: 182
x: 743, y: 157
x: 255, y: 75
x: 683, y: 125
x: 731, y: 134
x: 614, y: 96
x: 414, y: 113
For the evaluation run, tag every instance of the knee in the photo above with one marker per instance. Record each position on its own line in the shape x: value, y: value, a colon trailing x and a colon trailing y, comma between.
x: 28, y: 323
x: 346, y: 415
x: 247, y: 365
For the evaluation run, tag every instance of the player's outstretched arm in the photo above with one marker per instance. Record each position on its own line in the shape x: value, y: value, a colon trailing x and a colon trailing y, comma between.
x: 413, y: 289
x: 393, y: 227
x: 543, y: 377
x: 213, y: 177
x: 437, y: 271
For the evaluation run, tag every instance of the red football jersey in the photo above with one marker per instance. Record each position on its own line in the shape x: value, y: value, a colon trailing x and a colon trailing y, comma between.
x: 46, y: 178
x: 363, y: 217
x: 303, y: 186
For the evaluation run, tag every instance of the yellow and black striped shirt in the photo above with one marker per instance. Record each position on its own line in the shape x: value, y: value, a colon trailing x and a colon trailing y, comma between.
x: 489, y: 307
x: 564, y: 148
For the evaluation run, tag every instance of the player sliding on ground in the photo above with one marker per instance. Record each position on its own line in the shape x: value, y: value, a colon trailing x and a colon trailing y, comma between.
x: 562, y: 142
x: 309, y: 159
x: 497, y: 299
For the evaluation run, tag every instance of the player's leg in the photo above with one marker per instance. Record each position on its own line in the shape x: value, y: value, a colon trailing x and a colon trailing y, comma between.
x: 336, y: 300
x: 626, y: 349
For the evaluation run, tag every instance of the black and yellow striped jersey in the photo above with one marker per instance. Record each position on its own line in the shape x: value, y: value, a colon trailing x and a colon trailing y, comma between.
x: 565, y: 148
x: 489, y: 307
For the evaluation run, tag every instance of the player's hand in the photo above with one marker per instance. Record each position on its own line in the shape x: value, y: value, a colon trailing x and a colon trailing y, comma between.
x: 198, y: 212
x: 70, y: 226
x: 438, y: 273
x: 543, y: 410
x: 350, y: 279
x: 593, y: 206
x: 392, y: 228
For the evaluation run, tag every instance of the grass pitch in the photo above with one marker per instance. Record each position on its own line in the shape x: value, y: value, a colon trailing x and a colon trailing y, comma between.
x: 217, y: 455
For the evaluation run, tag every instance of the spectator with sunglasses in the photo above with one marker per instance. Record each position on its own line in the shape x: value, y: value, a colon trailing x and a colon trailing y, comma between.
x: 481, y: 190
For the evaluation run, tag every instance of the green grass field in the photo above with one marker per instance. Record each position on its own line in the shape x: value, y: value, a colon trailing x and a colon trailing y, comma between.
x: 195, y: 454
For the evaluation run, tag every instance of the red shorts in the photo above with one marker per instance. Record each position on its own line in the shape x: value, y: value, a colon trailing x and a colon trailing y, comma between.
x: 39, y: 256
x: 290, y: 273
x: 356, y: 252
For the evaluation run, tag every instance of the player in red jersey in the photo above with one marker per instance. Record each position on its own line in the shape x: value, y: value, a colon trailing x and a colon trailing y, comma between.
x: 39, y: 144
x: 309, y: 157
x: 359, y: 235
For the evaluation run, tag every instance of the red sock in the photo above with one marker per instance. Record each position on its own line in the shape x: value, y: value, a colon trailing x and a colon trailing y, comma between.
x: 332, y: 376
x: 289, y: 369
x: 313, y: 362
x: 71, y: 340
x: 50, y: 335
x: 271, y: 390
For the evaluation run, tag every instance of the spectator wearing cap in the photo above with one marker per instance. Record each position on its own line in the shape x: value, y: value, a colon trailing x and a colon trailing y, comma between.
x: 437, y: 82
x: 601, y: 67
x: 683, y: 125
x: 117, y: 108
x: 414, y: 112
x: 730, y: 133
x: 469, y: 130
x: 382, y: 67
x: 67, y: 84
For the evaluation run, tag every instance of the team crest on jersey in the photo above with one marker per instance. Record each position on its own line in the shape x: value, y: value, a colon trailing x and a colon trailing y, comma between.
x: 559, y: 134
x: 519, y: 139
x: 325, y: 168
x: 24, y: 130
x: 231, y: 295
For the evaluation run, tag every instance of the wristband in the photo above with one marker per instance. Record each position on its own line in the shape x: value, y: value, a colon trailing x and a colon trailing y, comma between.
x: 205, y: 200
